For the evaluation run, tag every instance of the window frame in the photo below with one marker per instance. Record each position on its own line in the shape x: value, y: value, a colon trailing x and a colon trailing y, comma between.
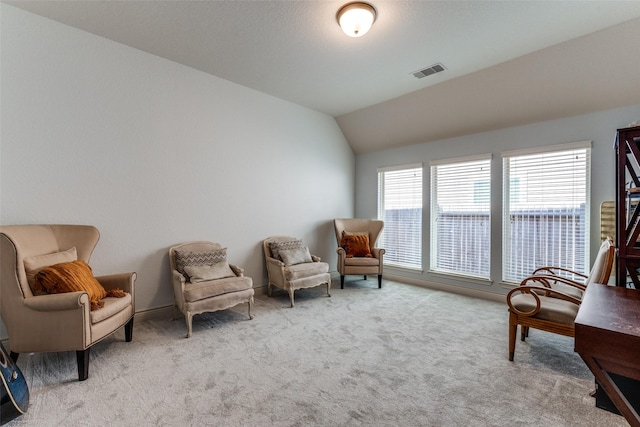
x: 508, y: 273
x: 484, y: 273
x: 382, y: 180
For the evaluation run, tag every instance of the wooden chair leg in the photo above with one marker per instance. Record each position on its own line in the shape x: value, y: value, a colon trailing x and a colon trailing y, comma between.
x: 291, y: 296
x: 82, y: 357
x: 128, y: 331
x: 513, y: 329
x: 188, y: 317
x: 250, y: 307
x: 523, y: 333
x: 329, y: 288
x: 342, y: 281
x: 379, y: 281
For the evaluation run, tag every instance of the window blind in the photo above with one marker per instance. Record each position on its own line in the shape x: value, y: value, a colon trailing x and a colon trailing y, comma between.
x: 546, y: 209
x: 400, y: 207
x: 461, y: 216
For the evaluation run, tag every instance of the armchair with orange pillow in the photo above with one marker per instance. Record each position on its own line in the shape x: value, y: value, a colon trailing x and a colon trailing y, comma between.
x: 51, y: 301
x: 357, y: 254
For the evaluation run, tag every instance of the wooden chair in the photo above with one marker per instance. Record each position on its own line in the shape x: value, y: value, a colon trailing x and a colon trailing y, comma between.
x: 572, y: 282
x: 539, y: 302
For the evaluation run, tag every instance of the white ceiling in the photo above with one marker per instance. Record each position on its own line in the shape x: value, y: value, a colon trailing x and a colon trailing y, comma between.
x: 507, y: 62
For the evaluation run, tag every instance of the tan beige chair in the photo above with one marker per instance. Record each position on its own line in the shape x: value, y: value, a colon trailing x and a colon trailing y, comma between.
x: 359, y: 265
x: 57, y: 322
x: 204, y: 281
x: 539, y: 302
x: 290, y: 266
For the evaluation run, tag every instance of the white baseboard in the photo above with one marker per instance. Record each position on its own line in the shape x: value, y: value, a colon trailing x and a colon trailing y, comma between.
x: 461, y: 290
x: 166, y: 312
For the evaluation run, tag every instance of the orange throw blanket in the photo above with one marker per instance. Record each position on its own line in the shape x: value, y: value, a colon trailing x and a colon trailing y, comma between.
x: 72, y: 277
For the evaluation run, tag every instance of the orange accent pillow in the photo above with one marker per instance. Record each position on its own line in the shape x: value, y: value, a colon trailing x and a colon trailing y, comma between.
x: 356, y: 245
x: 72, y: 277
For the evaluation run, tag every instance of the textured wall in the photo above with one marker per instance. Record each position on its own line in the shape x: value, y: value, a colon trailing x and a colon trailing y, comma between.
x: 154, y: 153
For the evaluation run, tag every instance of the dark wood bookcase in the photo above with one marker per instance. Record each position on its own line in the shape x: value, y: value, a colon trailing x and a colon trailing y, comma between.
x: 627, y: 147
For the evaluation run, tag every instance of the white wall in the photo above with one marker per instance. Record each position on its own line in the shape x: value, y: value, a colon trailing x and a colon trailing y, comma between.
x: 598, y: 127
x: 154, y: 153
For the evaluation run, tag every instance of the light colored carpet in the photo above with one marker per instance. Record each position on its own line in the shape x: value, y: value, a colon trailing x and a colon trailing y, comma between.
x: 397, y: 356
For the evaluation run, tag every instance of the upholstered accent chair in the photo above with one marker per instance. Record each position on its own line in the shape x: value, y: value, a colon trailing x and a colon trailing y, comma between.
x: 290, y: 266
x: 204, y: 281
x: 549, y: 302
x: 56, y: 322
x: 352, y: 259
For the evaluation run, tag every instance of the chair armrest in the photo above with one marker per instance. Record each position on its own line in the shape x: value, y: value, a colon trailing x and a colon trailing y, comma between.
x: 275, y: 262
x: 536, y: 292
x: 58, y: 302
x: 554, y: 271
x: 178, y: 277
x: 545, y: 279
x: 378, y: 252
x: 124, y: 281
x: 239, y: 271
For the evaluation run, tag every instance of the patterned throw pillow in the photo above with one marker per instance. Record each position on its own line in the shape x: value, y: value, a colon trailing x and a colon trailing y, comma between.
x: 276, y: 247
x: 295, y: 256
x: 356, y: 246
x: 197, y: 258
x: 72, y: 277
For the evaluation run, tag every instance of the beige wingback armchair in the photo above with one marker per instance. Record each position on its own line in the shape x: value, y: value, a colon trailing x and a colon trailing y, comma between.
x: 57, y: 322
x: 204, y: 281
x: 361, y: 265
x: 290, y: 266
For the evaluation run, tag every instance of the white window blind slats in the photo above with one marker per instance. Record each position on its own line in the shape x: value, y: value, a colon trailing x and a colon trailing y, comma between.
x: 546, y: 211
x: 461, y: 217
x: 400, y: 207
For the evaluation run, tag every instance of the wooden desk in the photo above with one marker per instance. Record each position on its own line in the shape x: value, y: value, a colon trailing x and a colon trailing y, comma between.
x: 607, y: 337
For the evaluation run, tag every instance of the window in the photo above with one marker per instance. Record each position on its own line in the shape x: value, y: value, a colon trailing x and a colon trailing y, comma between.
x: 461, y: 216
x: 400, y: 207
x: 546, y: 209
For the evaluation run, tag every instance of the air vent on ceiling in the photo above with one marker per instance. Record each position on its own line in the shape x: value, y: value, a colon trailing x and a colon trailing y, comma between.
x: 428, y: 71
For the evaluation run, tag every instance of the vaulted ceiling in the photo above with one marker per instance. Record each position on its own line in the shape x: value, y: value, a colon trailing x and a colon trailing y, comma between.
x: 506, y: 63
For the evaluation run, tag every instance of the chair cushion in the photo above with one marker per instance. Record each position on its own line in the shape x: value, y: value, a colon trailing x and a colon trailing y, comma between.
x: 299, y: 271
x: 552, y: 309
x: 212, y: 288
x: 295, y: 256
x: 71, y: 277
x: 276, y: 247
x: 33, y: 264
x: 569, y: 290
x: 111, y: 307
x: 359, y: 261
x: 186, y: 258
x: 203, y: 273
x: 356, y: 245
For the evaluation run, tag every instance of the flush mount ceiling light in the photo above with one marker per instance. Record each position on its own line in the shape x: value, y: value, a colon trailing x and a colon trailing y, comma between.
x: 356, y: 19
